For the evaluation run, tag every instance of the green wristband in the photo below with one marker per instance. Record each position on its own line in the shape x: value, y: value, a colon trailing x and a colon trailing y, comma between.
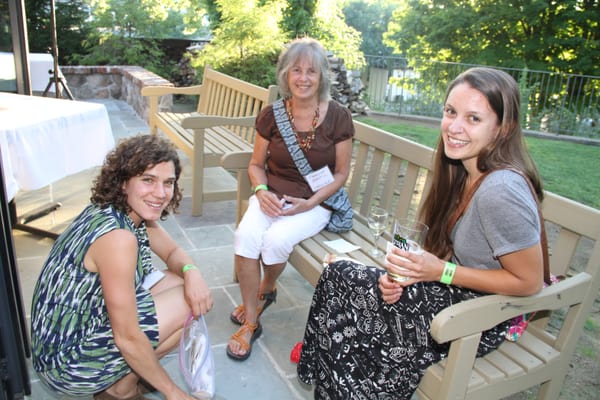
x: 448, y: 274
x: 262, y: 186
x: 187, y: 267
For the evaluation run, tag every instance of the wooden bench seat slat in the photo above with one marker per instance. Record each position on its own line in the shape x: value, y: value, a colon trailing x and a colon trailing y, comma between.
x: 486, y: 371
x: 532, y: 344
x: 509, y: 368
x: 520, y: 356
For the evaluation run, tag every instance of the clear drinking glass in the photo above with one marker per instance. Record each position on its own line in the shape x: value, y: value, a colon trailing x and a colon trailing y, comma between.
x: 378, y: 221
x: 409, y: 235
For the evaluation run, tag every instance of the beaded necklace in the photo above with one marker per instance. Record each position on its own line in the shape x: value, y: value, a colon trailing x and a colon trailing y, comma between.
x: 306, y: 142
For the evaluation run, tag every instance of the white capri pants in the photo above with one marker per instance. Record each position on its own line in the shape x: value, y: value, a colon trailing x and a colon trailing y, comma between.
x: 274, y: 238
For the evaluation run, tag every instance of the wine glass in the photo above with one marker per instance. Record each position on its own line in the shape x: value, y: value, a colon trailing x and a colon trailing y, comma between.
x: 377, y: 221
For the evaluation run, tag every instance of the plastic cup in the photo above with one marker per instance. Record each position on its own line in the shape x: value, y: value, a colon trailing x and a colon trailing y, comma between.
x: 408, y: 235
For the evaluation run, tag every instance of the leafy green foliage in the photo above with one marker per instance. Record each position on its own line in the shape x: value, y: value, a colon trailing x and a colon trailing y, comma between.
x: 124, y: 32
x: 5, y: 37
x: 371, y: 18
x: 298, y: 18
x: 539, y: 34
x: 149, y: 18
x: 71, y: 27
x: 116, y: 50
x: 246, y: 43
x: 259, y: 69
x: 213, y: 14
x: 336, y: 36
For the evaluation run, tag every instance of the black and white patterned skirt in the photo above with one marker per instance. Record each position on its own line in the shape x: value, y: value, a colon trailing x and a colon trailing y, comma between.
x: 358, y: 347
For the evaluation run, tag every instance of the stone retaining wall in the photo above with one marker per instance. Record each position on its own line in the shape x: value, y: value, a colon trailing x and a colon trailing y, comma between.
x: 115, y: 82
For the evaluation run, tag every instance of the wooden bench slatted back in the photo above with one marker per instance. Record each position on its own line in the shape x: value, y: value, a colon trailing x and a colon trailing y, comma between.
x: 388, y: 172
x: 223, y: 96
x: 394, y: 172
x: 196, y: 134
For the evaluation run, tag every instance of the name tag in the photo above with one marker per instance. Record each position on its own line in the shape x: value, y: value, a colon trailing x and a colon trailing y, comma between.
x: 319, y: 178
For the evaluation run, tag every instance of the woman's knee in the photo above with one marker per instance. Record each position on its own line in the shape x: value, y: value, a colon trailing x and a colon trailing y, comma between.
x: 276, y: 248
x: 247, y: 243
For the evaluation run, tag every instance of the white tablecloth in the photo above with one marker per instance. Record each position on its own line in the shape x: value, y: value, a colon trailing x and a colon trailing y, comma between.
x: 45, y: 139
x: 39, y: 65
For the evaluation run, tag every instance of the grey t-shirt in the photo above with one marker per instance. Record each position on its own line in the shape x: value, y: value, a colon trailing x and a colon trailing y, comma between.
x: 502, y: 218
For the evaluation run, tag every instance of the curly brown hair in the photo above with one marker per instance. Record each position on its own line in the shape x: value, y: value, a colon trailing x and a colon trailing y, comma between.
x: 131, y: 158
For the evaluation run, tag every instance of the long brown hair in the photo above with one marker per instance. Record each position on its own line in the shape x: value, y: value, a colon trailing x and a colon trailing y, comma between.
x: 507, y: 150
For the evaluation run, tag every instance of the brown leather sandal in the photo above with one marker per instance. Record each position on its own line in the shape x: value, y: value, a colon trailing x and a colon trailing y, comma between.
x: 256, y: 330
x: 269, y: 298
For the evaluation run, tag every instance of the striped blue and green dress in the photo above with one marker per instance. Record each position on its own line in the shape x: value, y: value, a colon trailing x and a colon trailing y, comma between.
x: 73, y: 346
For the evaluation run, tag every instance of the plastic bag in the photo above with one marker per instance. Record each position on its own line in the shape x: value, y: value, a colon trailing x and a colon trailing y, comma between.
x: 196, y: 359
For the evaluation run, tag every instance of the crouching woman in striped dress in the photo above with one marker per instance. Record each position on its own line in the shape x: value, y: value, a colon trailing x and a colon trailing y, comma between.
x: 102, y: 314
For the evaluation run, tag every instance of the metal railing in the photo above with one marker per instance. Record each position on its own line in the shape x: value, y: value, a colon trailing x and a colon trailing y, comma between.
x: 551, y: 102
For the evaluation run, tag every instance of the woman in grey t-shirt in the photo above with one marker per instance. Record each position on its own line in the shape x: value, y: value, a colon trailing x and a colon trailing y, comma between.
x: 367, y: 336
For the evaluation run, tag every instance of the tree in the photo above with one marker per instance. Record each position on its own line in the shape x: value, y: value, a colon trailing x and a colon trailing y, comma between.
x: 563, y: 36
x: 149, y: 18
x: 126, y: 32
x: 247, y: 41
x: 71, y: 27
x: 371, y: 18
x: 331, y: 30
x: 213, y: 14
x: 298, y: 18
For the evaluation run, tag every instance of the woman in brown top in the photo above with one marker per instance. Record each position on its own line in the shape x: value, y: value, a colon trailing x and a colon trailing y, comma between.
x: 284, y: 210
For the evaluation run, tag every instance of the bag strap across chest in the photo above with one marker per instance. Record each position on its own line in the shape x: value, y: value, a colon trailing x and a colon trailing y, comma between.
x: 287, y: 133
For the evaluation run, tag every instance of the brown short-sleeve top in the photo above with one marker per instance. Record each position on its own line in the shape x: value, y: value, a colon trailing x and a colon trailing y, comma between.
x: 282, y: 175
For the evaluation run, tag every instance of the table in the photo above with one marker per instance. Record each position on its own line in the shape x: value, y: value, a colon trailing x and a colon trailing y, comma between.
x: 39, y: 65
x: 45, y: 139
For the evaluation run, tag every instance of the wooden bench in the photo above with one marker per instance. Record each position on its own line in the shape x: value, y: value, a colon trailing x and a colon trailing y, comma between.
x: 395, y: 173
x: 205, y: 139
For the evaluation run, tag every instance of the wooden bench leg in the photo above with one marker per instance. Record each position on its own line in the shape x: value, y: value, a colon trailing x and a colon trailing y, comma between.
x: 198, y: 173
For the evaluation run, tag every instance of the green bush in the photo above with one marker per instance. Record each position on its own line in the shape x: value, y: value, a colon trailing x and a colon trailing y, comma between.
x: 117, y: 50
x: 259, y: 69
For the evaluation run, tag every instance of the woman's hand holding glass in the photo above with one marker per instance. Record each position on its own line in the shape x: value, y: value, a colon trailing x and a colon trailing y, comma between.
x: 415, y: 267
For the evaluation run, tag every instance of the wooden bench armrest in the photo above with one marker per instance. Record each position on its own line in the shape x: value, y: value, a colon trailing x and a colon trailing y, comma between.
x: 236, y: 160
x: 165, y: 90
x: 210, y: 121
x: 477, y: 315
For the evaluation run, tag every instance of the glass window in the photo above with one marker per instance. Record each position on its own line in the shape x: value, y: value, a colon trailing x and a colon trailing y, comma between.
x: 8, y: 76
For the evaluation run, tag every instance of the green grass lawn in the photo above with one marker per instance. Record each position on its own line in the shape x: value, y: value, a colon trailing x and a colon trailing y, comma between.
x: 569, y: 169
